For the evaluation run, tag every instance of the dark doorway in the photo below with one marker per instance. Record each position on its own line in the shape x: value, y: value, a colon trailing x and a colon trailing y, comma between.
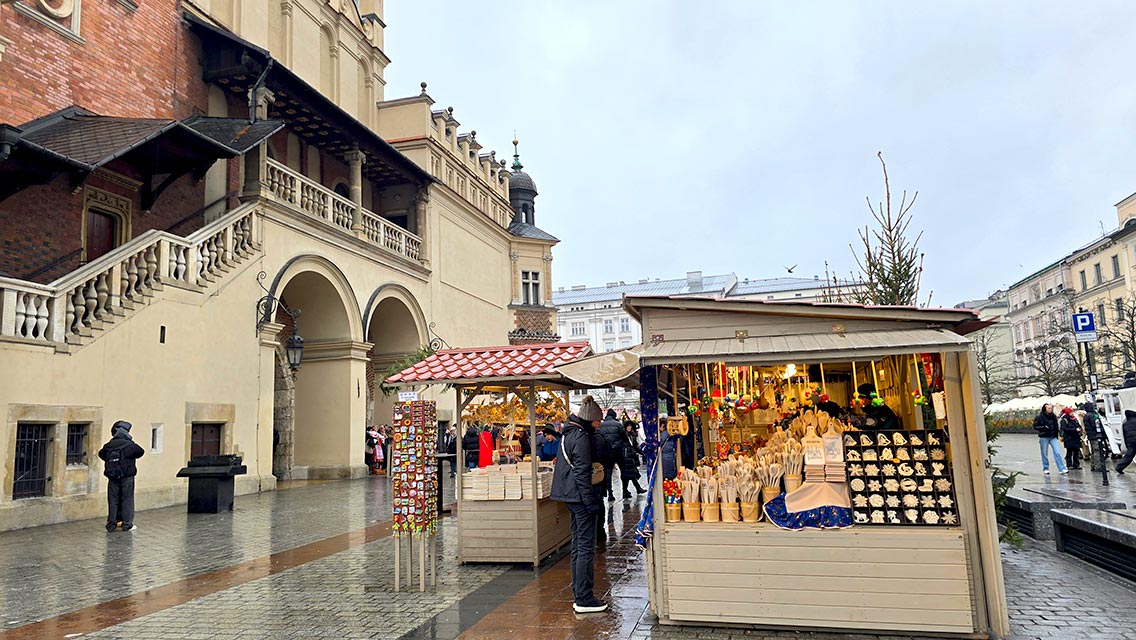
x: 205, y: 439
x: 102, y: 234
x: 31, y: 460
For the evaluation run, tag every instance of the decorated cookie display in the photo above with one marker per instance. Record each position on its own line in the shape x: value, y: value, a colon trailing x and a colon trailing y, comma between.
x: 901, y: 477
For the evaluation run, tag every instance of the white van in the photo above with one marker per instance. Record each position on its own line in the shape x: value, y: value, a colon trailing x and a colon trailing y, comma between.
x: 1111, y: 404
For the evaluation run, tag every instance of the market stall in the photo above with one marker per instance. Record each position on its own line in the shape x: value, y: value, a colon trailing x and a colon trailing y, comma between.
x: 840, y: 478
x: 504, y: 512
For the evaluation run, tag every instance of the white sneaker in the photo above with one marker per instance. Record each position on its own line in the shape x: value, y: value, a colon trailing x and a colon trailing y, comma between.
x: 1046, y: 472
x: 1064, y: 471
x: 132, y: 527
x: 593, y: 608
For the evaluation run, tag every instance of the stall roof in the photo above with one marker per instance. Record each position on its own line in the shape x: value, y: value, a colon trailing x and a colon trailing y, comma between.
x: 489, y: 365
x: 805, y: 347
x: 958, y: 318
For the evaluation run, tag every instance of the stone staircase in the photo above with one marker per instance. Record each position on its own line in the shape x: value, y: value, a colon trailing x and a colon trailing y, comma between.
x: 77, y: 308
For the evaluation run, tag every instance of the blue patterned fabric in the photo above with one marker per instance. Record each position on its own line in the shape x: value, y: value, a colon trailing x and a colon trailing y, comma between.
x: 649, y: 414
x: 819, y: 518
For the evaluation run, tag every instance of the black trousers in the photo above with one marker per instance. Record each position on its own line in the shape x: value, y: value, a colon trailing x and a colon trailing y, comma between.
x: 120, y: 503
x: 583, y: 525
x: 1127, y: 459
x: 1073, y: 456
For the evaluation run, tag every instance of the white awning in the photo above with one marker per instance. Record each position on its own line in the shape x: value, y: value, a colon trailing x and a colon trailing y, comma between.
x: 823, y: 347
x: 615, y: 368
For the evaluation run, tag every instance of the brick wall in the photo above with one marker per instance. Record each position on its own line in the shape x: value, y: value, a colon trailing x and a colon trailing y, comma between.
x: 532, y: 325
x: 141, y: 63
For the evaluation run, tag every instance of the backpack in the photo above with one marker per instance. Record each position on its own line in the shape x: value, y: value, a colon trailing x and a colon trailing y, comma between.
x: 115, y: 467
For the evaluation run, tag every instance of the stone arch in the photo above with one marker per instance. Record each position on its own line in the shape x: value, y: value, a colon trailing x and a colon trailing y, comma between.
x: 328, y: 407
x: 395, y: 327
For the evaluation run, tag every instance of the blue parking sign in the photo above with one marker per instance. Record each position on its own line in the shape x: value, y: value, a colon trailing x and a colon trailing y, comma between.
x: 1084, y: 327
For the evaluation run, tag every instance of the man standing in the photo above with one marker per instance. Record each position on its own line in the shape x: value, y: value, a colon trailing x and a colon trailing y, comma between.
x: 1128, y: 430
x: 572, y: 485
x: 119, y: 455
x: 450, y: 448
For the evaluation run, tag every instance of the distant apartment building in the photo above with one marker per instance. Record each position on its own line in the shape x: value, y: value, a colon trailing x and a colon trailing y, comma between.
x: 1097, y: 277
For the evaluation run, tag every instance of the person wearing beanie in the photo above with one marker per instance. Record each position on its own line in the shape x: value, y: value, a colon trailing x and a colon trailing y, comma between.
x: 549, y: 444
x: 1071, y: 437
x: 118, y: 456
x: 612, y: 445
x: 572, y: 485
x: 878, y: 418
x: 1128, y: 429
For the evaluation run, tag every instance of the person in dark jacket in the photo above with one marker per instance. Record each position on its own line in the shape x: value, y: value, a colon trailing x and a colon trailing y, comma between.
x: 1047, y: 428
x: 572, y: 485
x: 549, y: 444
x: 611, y: 441
x: 1129, y: 380
x: 879, y: 418
x: 668, y: 453
x: 1128, y: 430
x: 1093, y: 433
x: 449, y: 446
x: 1071, y: 438
x: 470, y: 447
x: 629, y: 466
x: 118, y: 456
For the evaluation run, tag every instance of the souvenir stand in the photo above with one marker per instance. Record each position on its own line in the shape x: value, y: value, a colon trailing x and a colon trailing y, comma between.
x: 878, y: 519
x: 414, y: 489
x: 504, y: 512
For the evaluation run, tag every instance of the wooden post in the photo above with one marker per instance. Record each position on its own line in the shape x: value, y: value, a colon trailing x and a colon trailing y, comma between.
x: 397, y: 564
x: 422, y: 563
x: 987, y: 524
x: 963, y: 471
x: 530, y: 403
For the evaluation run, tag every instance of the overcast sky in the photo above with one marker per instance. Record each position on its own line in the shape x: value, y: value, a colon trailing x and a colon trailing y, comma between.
x: 668, y: 137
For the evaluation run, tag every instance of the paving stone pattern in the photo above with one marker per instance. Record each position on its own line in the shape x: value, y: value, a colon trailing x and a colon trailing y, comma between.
x: 50, y: 570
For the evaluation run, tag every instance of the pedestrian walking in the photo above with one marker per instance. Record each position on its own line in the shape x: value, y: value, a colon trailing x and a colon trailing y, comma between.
x: 370, y: 444
x: 572, y: 484
x: 611, y: 439
x: 118, y: 456
x: 471, y: 447
x: 1048, y: 429
x: 1071, y: 438
x: 629, y: 467
x: 450, y: 447
x: 1128, y: 429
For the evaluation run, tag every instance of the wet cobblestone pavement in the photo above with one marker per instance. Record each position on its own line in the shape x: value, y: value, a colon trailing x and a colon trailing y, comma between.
x: 315, y: 562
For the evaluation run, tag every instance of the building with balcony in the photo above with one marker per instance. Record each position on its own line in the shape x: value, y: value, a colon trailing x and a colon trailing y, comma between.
x: 1098, y: 277
x: 201, y: 182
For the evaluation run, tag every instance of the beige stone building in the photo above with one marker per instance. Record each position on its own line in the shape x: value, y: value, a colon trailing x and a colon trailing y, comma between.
x: 1099, y: 277
x: 369, y: 227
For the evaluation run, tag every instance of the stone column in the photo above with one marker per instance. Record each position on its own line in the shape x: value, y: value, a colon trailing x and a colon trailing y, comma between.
x: 355, y: 159
x: 255, y: 160
x: 422, y: 222
x: 261, y: 461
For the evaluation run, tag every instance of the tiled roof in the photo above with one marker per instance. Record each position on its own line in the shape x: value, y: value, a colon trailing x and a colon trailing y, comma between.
x: 773, y: 285
x: 679, y: 286
x: 486, y: 363
x: 526, y: 230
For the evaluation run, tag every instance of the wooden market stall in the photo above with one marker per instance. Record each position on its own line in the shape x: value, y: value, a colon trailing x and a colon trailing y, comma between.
x: 921, y: 555
x: 504, y: 512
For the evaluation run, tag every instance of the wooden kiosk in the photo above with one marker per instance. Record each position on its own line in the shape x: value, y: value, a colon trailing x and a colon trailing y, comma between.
x: 903, y: 578
x: 521, y: 529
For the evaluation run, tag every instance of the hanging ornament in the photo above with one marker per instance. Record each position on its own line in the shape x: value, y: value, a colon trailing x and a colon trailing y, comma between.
x: 877, y: 401
x: 918, y: 397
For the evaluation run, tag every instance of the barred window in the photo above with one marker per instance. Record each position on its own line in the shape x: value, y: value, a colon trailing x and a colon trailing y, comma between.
x: 77, y: 444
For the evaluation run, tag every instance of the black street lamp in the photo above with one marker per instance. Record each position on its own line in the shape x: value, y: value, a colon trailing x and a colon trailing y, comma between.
x: 266, y: 311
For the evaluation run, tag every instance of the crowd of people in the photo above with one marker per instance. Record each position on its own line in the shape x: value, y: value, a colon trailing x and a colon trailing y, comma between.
x: 1081, y: 432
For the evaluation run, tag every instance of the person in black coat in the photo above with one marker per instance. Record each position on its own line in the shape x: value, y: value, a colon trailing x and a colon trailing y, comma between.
x: 878, y: 418
x: 470, y: 447
x: 572, y: 485
x: 1047, y: 428
x: 119, y: 455
x: 1071, y: 437
x: 1129, y: 380
x: 614, y: 440
x: 1128, y: 430
x: 629, y: 467
x: 1093, y: 434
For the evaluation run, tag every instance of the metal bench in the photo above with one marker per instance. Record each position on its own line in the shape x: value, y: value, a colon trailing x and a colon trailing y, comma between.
x: 1104, y: 538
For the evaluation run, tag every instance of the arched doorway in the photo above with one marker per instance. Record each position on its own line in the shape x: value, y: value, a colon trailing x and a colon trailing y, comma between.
x: 395, y: 330
x: 319, y: 410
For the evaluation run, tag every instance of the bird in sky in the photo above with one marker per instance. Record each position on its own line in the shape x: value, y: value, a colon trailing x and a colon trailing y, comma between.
x: 790, y: 269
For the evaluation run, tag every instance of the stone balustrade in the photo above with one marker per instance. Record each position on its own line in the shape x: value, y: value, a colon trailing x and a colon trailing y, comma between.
x: 287, y: 186
x: 83, y: 302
